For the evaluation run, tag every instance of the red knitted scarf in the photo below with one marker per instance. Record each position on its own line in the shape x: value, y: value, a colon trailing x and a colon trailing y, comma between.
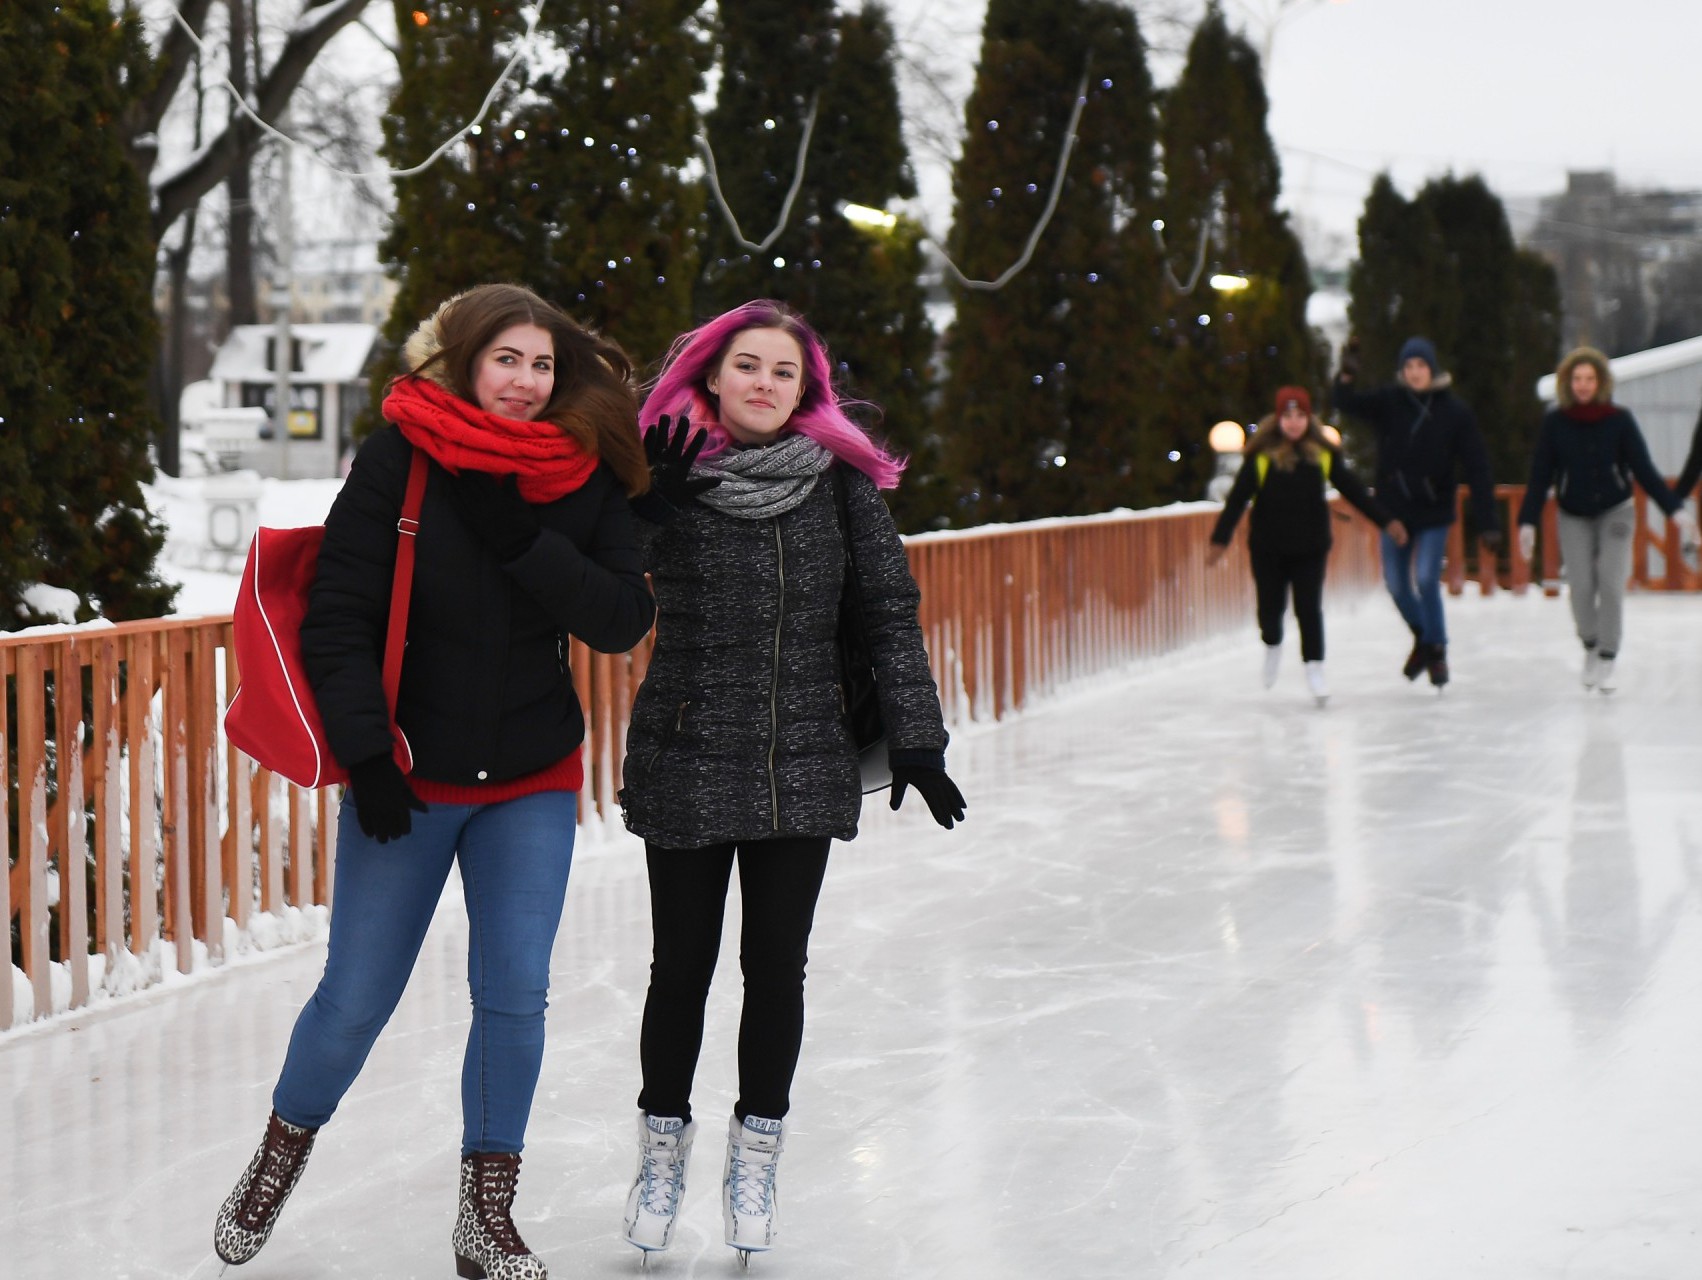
x: 460, y: 436
x: 1595, y: 411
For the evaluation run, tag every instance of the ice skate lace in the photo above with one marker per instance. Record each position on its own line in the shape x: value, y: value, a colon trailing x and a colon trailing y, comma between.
x: 281, y: 1156
x: 752, y: 1186
x: 495, y: 1179
x: 660, y: 1182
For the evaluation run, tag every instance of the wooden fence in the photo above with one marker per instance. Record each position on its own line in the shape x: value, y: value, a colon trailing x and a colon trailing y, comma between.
x: 169, y: 830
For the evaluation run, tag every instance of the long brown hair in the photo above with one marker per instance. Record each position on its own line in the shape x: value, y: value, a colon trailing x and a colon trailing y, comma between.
x: 1268, y: 438
x: 594, y: 399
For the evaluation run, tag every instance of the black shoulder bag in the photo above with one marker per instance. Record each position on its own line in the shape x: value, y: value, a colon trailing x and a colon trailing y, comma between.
x: 857, y: 661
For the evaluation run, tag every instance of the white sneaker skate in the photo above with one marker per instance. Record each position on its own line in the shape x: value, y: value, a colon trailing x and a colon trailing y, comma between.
x: 1605, y: 681
x: 664, y: 1146
x: 748, y: 1205
x: 1316, y: 683
x: 1592, y: 669
x: 1273, y: 660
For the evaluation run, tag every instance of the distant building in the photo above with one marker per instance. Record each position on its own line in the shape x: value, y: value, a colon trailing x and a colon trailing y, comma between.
x: 1629, y: 262
x: 328, y: 388
x: 1663, y: 389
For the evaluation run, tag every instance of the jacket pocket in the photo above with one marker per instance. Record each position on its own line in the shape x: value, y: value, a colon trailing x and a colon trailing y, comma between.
x: 674, y: 728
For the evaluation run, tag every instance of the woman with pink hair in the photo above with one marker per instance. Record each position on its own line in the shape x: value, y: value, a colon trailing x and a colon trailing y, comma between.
x: 738, y: 748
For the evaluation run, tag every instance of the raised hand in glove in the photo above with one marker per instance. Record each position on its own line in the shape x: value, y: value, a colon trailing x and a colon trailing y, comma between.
x: 491, y: 506
x: 670, y: 448
x: 945, y: 801
x: 1350, y: 360
x: 383, y: 799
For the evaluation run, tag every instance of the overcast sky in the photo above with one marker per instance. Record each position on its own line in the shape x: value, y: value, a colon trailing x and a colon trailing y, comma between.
x: 1518, y: 90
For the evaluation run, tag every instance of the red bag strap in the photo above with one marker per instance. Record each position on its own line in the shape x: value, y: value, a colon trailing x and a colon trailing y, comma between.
x: 402, y: 585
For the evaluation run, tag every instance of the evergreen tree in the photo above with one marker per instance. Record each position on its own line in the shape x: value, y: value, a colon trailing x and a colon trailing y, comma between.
x: 1047, y: 407
x: 1229, y: 350
x: 578, y: 169
x: 857, y: 285
x: 76, y: 318
x: 1444, y: 265
x: 775, y: 59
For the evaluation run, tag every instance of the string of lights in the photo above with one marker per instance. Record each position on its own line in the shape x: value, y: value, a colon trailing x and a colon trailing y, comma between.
x: 791, y: 194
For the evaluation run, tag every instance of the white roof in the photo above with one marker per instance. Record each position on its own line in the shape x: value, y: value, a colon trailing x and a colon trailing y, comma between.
x: 330, y: 352
x: 1641, y: 364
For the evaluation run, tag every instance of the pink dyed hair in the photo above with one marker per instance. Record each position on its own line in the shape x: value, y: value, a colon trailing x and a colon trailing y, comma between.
x: 682, y: 387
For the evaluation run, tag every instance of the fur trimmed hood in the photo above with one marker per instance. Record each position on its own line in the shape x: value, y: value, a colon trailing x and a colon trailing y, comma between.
x: 424, y: 343
x: 1563, y: 377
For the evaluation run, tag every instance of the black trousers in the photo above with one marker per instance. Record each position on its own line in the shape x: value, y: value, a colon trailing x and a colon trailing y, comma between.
x: 1274, y: 577
x: 779, y: 882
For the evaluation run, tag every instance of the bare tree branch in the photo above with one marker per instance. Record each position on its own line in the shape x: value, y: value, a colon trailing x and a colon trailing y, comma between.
x: 176, y: 55
x: 319, y: 22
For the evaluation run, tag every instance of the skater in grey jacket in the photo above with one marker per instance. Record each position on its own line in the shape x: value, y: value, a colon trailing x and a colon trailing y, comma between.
x: 738, y: 748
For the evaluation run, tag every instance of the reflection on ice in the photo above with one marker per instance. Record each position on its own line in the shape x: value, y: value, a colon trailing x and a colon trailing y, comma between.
x: 1211, y: 984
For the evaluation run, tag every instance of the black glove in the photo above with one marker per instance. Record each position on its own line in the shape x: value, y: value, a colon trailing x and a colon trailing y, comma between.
x: 1350, y: 361
x: 945, y: 801
x: 491, y: 506
x: 383, y: 799
x: 1491, y: 538
x: 671, y: 448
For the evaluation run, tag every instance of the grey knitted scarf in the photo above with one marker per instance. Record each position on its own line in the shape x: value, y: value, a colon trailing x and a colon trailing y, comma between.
x: 757, y: 484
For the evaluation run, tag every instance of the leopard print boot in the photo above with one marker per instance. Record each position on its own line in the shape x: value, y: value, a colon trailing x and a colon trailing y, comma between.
x: 251, y: 1211
x: 487, y: 1247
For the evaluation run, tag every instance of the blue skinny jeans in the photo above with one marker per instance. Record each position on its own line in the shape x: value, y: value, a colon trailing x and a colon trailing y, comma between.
x: 1413, y: 575
x: 514, y: 859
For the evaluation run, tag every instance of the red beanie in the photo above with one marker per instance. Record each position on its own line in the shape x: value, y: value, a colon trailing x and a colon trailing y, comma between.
x: 1293, y: 395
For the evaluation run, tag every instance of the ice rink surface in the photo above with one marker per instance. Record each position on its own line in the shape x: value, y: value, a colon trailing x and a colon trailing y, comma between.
x: 1211, y: 984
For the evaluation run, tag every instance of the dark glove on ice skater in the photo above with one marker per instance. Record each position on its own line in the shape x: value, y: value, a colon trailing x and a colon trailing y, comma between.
x: 670, y: 449
x: 945, y: 801
x: 491, y: 506
x: 383, y: 799
x: 1350, y: 361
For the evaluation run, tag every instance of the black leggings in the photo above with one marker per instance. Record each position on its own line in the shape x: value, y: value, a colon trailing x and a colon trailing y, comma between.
x: 1273, y: 576
x: 779, y: 882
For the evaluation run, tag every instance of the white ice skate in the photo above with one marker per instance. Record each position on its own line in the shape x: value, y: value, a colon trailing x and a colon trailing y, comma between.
x: 1605, y: 681
x: 1273, y: 660
x: 1592, y: 669
x: 748, y: 1205
x: 1316, y: 683
x: 664, y: 1146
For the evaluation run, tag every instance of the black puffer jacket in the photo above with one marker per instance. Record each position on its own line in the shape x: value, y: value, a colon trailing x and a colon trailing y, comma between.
x: 1424, y: 441
x: 486, y: 694
x: 738, y: 731
x: 1590, y: 465
x: 1291, y: 516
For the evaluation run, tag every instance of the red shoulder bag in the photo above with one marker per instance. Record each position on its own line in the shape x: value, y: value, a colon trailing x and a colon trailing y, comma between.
x: 273, y: 716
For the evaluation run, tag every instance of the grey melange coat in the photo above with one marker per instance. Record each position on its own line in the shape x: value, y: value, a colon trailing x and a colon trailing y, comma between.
x: 738, y: 730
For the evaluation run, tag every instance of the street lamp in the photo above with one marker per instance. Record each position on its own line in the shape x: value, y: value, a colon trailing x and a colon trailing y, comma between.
x: 861, y: 215
x: 1227, y: 440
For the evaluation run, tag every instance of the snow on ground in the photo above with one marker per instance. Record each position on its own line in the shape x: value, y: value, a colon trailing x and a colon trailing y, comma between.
x: 1210, y: 984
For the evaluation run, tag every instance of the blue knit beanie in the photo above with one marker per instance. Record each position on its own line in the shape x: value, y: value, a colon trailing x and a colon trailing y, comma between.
x: 1421, y: 349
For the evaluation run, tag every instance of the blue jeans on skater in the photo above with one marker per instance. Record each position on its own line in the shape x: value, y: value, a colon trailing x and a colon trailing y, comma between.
x: 514, y: 859
x: 1413, y: 574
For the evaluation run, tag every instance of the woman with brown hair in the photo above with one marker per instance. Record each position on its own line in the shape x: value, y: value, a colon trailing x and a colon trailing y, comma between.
x: 524, y: 539
x: 1287, y: 474
x: 1588, y: 450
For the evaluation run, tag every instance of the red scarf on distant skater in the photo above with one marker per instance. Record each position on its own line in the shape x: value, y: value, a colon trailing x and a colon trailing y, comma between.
x: 460, y: 436
x: 1595, y: 411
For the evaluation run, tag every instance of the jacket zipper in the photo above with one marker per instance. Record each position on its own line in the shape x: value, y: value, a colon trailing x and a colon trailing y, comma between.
x: 679, y: 727
x: 774, y: 679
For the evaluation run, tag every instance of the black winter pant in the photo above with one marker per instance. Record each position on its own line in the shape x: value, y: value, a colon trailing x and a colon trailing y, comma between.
x: 779, y: 882
x: 1274, y: 576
